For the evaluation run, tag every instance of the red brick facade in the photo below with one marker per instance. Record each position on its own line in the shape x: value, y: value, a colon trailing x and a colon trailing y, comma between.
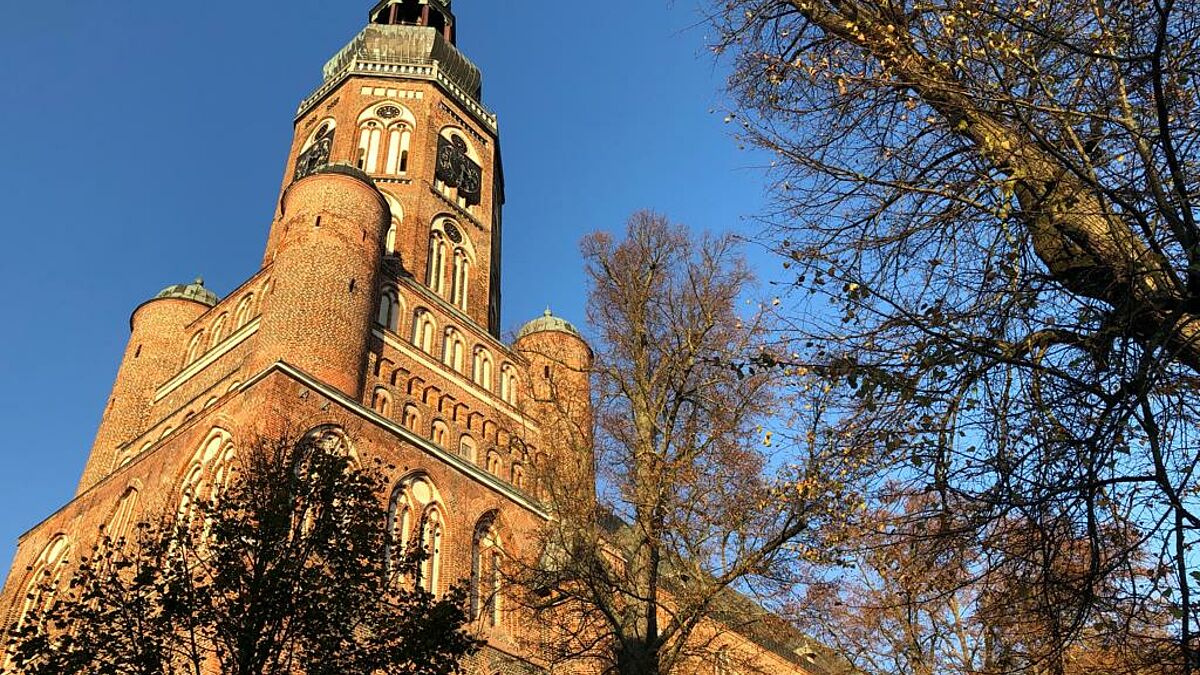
x: 376, y: 311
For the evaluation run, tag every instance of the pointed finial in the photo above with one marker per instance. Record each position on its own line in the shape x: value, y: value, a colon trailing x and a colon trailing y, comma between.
x: 199, y: 281
x: 548, y: 313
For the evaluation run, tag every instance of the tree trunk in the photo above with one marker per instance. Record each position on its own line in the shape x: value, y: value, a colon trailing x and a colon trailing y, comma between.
x: 637, y: 658
x: 1086, y: 247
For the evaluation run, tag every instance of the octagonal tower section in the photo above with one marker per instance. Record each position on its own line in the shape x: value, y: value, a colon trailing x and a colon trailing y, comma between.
x: 559, y: 387
x: 319, y: 314
x: 157, y: 350
x: 402, y: 104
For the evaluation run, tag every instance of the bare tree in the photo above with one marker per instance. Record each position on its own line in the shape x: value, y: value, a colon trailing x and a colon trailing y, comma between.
x: 908, y: 603
x: 280, y: 571
x: 987, y: 205
x: 692, y: 506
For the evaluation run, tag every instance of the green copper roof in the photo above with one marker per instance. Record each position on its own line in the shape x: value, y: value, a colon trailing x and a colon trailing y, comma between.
x: 548, y: 322
x: 194, y: 291
x: 405, y: 52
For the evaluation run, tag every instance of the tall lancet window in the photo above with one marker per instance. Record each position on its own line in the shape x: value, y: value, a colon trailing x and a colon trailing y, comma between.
x: 508, y: 384
x: 454, y: 350
x: 435, y: 275
x: 481, y: 371
x: 370, y: 137
x: 416, y: 517
x: 460, y: 279
x: 399, y: 141
x: 389, y: 309
x: 486, y: 582
x: 423, y: 329
x: 122, y: 517
x: 45, y: 577
x: 453, y: 237
x: 389, y: 242
x: 397, y: 212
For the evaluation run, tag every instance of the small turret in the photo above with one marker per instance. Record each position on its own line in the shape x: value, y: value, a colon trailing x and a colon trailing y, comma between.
x: 155, y: 353
x: 322, y: 306
x: 560, y: 365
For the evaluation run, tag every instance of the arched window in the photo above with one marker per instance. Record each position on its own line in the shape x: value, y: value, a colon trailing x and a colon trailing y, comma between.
x: 399, y: 140
x: 331, y: 439
x: 223, y: 470
x: 218, y: 330
x: 45, y: 577
x: 453, y: 348
x: 423, y: 330
x: 210, y: 470
x: 122, y: 517
x: 245, y: 310
x: 384, y: 125
x: 508, y: 384
x: 518, y: 476
x: 195, y: 349
x: 486, y: 582
x: 382, y: 402
x: 397, y: 211
x: 412, y: 418
x: 460, y: 279
x: 415, y: 515
x: 435, y: 274
x: 314, y: 153
x: 431, y: 541
x: 370, y: 137
x: 400, y: 527
x: 441, y: 433
x: 466, y: 447
x: 493, y: 463
x: 389, y: 242
x: 389, y: 310
x: 481, y: 370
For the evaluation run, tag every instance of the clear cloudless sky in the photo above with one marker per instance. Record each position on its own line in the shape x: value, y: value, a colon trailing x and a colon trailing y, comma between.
x: 143, y: 142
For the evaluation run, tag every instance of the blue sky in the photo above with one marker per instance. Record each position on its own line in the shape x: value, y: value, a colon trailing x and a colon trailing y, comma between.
x: 144, y: 145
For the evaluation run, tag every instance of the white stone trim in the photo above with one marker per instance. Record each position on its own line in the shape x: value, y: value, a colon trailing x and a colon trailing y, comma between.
x: 236, y: 338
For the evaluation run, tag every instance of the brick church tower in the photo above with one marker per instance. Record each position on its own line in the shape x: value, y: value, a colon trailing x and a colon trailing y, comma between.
x: 375, y: 316
x: 373, y: 320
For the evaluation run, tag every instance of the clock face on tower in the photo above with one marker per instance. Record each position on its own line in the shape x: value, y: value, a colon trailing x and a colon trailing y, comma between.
x: 456, y: 169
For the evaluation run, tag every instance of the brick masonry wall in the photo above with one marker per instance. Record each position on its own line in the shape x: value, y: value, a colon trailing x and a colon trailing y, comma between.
x: 313, y: 308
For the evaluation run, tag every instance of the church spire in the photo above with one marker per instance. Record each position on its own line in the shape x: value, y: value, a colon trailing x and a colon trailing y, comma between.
x: 432, y: 13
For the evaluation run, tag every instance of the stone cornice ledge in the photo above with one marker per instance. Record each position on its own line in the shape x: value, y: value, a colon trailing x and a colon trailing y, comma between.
x: 430, y: 72
x: 236, y: 338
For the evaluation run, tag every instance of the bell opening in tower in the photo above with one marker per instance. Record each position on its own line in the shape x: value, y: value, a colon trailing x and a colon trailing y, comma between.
x: 404, y: 14
x: 414, y: 13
